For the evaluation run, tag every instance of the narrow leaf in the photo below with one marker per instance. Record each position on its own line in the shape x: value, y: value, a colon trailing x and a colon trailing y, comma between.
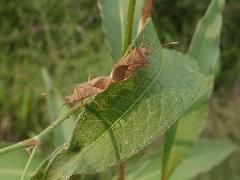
x: 205, y: 49
x: 205, y: 43
x: 205, y: 155
x: 113, y: 15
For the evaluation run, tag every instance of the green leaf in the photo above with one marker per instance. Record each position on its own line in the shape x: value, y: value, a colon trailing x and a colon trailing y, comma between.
x: 205, y: 42
x: 205, y: 49
x: 130, y: 114
x: 205, y: 155
x: 12, y: 164
x: 44, y: 163
x: 167, y: 148
x: 113, y: 15
x: 62, y: 134
x: 189, y: 128
x: 146, y: 167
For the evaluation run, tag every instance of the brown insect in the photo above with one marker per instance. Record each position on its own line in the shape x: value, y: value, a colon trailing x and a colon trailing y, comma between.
x: 122, y: 70
x: 90, y: 88
x: 128, y: 64
x: 101, y: 82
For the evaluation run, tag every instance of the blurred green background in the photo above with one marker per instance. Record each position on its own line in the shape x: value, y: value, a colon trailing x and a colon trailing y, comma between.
x: 65, y: 36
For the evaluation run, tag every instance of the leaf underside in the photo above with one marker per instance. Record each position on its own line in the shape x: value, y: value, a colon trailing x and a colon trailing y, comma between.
x: 129, y: 115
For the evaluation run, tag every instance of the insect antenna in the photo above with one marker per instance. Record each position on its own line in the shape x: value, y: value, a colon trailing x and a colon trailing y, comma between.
x: 162, y: 44
x: 89, y: 77
x: 170, y: 43
x: 167, y: 44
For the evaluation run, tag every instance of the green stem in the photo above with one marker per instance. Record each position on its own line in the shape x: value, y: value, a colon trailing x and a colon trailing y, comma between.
x: 126, y: 43
x: 57, y: 122
x: 38, y: 139
x: 167, y: 150
x: 128, y: 25
x: 13, y: 147
x: 121, y: 171
x: 29, y: 162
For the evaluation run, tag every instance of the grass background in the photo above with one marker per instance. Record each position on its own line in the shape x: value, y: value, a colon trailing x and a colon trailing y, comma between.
x: 65, y: 36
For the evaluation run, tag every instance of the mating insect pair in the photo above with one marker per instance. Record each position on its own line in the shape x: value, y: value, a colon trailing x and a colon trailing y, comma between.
x: 121, y: 71
x: 129, y: 63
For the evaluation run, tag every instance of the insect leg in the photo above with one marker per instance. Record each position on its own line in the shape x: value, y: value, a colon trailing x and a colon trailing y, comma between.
x: 89, y: 77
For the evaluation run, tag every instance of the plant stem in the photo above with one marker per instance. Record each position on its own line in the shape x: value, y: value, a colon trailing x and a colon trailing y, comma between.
x: 126, y: 43
x: 28, y: 163
x: 121, y: 171
x: 57, y: 122
x: 167, y: 150
x: 13, y: 147
x: 34, y: 141
x: 128, y: 25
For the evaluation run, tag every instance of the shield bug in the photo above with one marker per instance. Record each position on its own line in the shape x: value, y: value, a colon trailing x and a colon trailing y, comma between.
x: 90, y: 88
x: 128, y: 64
